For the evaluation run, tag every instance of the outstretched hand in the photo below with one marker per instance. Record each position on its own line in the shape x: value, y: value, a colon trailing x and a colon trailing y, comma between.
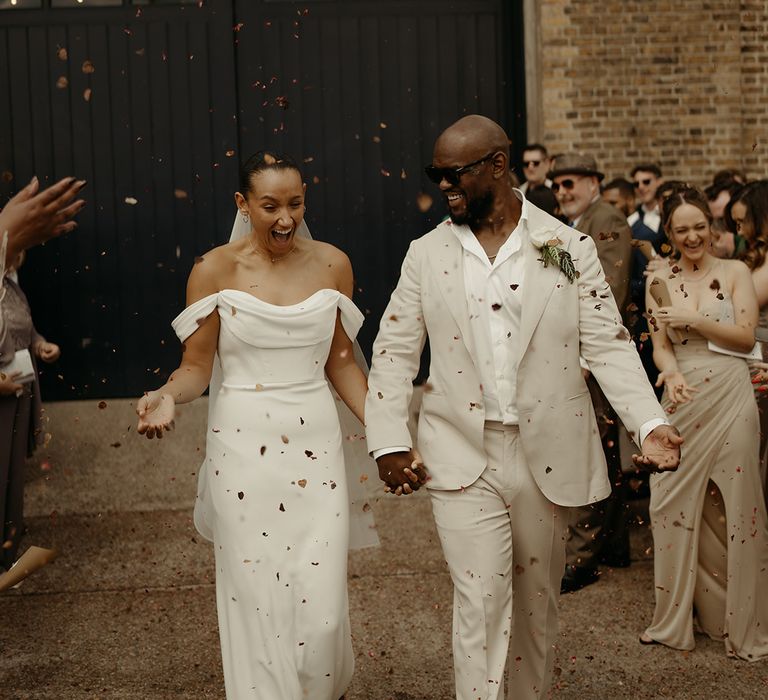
x: 660, y: 450
x: 32, y: 217
x: 156, y: 412
x: 402, y: 472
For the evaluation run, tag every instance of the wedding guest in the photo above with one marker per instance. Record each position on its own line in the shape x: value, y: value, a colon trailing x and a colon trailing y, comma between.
x: 598, y: 533
x: 728, y: 175
x: 645, y: 221
x: 535, y: 167
x: 20, y: 405
x: 620, y: 193
x: 726, y: 243
x: 33, y: 216
x: 747, y: 215
x: 543, y: 197
x: 708, y: 518
x: 274, y: 306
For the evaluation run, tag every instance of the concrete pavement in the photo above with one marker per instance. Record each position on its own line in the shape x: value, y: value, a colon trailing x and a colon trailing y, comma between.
x: 128, y: 609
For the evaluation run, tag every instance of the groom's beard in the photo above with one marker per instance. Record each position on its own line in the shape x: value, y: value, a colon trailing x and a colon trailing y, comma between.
x: 478, y: 208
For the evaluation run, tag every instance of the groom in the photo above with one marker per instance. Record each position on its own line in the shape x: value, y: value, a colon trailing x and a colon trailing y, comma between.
x: 509, y: 298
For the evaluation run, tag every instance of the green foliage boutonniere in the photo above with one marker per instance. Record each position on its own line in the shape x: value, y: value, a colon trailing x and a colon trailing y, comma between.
x: 553, y: 254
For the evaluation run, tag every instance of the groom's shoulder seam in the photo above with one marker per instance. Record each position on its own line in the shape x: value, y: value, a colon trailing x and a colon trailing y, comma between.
x: 441, y: 230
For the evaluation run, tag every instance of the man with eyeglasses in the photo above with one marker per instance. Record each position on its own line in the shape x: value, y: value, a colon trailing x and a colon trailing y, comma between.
x: 535, y: 167
x: 598, y: 533
x: 506, y: 426
x: 646, y: 220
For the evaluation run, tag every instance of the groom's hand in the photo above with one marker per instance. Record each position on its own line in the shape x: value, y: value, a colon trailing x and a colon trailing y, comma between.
x: 402, y: 472
x: 661, y: 450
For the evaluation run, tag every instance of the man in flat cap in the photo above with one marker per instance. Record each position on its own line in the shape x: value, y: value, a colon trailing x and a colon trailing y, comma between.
x: 598, y: 533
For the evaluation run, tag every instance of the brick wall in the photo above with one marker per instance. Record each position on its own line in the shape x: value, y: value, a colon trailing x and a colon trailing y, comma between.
x: 683, y: 83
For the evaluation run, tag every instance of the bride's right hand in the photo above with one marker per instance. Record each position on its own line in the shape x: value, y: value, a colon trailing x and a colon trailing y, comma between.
x: 156, y: 412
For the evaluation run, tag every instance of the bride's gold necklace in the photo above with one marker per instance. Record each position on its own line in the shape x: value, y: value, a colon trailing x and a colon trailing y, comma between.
x: 269, y: 257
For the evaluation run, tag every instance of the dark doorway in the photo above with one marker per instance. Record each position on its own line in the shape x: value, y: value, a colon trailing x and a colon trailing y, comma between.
x: 155, y: 103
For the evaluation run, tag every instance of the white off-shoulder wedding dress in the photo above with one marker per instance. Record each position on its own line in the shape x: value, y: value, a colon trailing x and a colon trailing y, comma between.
x: 273, y: 496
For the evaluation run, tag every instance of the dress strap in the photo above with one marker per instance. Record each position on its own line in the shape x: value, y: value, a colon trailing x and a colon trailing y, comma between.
x: 351, y: 317
x: 189, y: 320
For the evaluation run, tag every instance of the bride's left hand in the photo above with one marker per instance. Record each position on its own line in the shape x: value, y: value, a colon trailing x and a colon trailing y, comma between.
x: 156, y: 412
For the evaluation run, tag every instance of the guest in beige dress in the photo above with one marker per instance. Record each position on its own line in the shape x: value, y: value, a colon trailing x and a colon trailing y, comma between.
x: 708, y: 518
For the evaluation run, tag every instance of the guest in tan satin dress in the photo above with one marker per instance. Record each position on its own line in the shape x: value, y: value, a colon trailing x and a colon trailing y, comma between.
x: 708, y: 518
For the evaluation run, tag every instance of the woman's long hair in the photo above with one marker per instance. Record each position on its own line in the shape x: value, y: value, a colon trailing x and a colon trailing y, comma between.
x: 754, y: 197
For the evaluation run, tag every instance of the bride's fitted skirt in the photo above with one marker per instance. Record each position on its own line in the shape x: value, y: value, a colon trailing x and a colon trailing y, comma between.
x: 709, y: 518
x: 274, y: 496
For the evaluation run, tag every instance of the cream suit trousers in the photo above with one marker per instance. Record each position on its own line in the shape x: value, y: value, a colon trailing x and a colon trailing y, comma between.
x: 505, y: 547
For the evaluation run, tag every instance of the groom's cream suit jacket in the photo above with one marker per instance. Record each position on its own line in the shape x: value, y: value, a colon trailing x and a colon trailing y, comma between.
x: 560, y: 321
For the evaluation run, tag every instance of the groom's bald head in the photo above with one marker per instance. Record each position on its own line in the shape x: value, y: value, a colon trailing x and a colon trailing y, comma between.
x: 470, y: 138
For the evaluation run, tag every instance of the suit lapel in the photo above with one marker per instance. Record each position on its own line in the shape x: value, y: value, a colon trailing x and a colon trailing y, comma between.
x: 539, y: 283
x: 448, y: 268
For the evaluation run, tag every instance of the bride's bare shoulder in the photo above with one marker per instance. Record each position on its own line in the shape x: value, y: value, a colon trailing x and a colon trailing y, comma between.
x: 209, y: 269
x: 329, y: 254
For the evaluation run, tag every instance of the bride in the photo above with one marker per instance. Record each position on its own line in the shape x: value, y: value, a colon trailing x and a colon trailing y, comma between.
x: 275, y: 308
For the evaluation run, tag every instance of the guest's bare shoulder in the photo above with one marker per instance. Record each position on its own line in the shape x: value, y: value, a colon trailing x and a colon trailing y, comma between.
x: 736, y: 271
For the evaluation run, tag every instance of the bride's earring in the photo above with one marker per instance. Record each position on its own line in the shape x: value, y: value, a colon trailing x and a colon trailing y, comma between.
x: 245, y: 216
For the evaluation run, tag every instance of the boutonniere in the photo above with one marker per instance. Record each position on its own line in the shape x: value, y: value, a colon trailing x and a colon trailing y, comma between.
x: 553, y: 254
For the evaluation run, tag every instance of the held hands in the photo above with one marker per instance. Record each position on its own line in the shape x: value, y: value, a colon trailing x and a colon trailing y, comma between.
x: 8, y: 384
x: 156, y: 412
x: 677, y: 388
x: 678, y: 317
x: 660, y: 450
x: 47, y: 352
x: 402, y: 472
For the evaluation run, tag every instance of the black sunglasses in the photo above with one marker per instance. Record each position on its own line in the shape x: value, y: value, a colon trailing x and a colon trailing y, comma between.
x: 453, y: 175
x: 645, y: 182
x: 566, y: 184
x: 531, y: 163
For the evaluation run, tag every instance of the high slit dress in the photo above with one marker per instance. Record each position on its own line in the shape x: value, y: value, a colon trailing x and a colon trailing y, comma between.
x: 709, y: 518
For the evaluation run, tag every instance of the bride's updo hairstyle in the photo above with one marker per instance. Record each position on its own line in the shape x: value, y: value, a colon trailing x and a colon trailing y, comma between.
x: 261, y: 161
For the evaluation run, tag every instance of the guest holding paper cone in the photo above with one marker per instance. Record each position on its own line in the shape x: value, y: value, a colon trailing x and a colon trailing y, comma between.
x: 708, y: 518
